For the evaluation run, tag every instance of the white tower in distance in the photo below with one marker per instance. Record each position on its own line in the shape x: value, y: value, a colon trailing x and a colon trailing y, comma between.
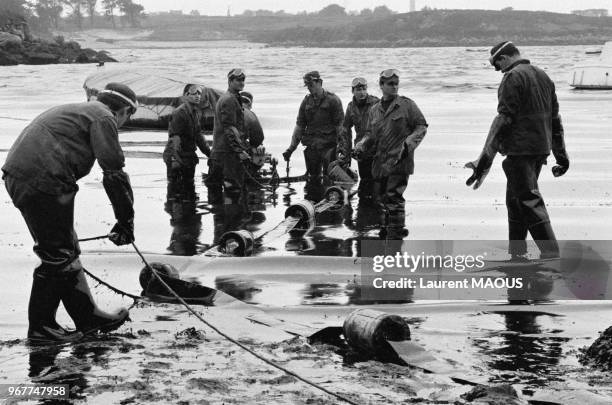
x: 412, y: 5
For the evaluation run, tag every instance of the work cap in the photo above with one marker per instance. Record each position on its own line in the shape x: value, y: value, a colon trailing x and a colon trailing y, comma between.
x: 312, y: 77
x: 359, y: 81
x: 123, y: 92
x: 236, y: 72
x: 246, y: 96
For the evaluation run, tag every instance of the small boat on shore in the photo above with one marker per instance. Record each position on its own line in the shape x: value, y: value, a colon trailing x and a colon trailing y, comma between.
x: 158, y: 95
x: 595, y: 75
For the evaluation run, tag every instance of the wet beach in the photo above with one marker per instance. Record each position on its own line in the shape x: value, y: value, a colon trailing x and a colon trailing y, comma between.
x: 167, y: 355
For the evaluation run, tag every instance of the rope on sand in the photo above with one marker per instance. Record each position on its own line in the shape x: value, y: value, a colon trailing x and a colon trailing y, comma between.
x: 260, y: 357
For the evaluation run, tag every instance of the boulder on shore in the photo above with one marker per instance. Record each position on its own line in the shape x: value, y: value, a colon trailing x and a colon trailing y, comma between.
x: 41, y: 52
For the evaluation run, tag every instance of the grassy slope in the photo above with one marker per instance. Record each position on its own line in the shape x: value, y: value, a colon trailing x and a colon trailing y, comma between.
x: 424, y: 28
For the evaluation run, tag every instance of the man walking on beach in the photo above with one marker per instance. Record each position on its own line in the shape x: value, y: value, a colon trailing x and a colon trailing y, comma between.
x: 395, y: 129
x: 525, y: 130
x: 42, y: 167
x: 184, y: 134
x: 230, y: 151
x: 318, y: 127
x: 357, y: 113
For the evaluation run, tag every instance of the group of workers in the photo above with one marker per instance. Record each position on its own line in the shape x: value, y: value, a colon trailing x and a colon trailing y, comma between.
x: 61, y: 145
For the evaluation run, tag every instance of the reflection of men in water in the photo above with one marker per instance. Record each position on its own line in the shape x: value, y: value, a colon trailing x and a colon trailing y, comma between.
x: 230, y: 151
x: 186, y: 227
x: 525, y: 130
x: 356, y: 116
x: 396, y: 127
x: 318, y: 127
x: 184, y: 134
x: 59, y: 147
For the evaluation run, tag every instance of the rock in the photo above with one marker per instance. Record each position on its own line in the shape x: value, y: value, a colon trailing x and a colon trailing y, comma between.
x: 599, y: 354
x: 8, y: 59
x: 41, y: 58
x: 7, y: 39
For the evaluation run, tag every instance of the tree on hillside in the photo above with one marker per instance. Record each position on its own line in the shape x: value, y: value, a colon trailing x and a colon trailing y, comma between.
x: 109, y: 10
x: 77, y: 11
x: 333, y: 10
x: 382, y: 11
x: 91, y: 10
x: 48, y: 12
x: 366, y: 12
x: 132, y: 12
x: 13, y: 9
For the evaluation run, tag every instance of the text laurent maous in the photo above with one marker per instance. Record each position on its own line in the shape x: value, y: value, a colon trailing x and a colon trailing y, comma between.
x: 418, y: 282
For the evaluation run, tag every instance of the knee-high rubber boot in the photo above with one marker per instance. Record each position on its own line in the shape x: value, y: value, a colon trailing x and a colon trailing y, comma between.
x: 545, y: 239
x: 44, y: 300
x: 517, y: 245
x: 82, y: 308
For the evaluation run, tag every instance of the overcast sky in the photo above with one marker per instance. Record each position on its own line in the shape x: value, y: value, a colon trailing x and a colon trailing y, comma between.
x: 219, y: 7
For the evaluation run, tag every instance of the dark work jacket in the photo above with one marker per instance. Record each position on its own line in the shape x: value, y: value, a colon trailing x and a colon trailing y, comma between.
x: 61, y: 145
x: 254, y: 132
x: 389, y: 130
x: 228, y: 133
x: 320, y: 117
x: 357, y: 116
x: 185, y: 123
x: 527, y: 96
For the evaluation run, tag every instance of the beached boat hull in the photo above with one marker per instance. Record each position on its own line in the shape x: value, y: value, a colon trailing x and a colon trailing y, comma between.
x: 158, y: 96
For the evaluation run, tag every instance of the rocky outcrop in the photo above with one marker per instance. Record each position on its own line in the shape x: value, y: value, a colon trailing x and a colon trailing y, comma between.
x: 16, y: 51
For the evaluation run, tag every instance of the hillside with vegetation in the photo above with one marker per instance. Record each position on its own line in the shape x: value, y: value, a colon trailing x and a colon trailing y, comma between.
x: 446, y: 28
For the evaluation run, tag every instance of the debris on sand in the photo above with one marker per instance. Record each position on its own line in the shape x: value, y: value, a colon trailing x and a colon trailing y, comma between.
x: 599, y: 354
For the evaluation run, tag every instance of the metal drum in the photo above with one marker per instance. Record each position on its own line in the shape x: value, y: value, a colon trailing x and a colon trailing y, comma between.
x: 337, y: 195
x: 369, y: 330
x: 237, y: 243
x: 305, y: 211
x: 164, y: 270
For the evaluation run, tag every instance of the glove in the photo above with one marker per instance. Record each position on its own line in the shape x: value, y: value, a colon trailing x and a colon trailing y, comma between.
x: 357, y: 152
x: 481, y: 167
x: 287, y: 155
x: 260, y: 149
x: 176, y: 164
x: 244, y: 157
x: 117, y: 186
x: 562, y: 163
x: 122, y: 233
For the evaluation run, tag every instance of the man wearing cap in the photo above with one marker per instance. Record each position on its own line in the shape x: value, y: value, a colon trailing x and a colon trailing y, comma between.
x: 318, y: 127
x: 356, y: 116
x: 41, y: 171
x: 230, y: 150
x: 527, y: 127
x: 252, y: 126
x: 184, y: 135
x: 395, y: 128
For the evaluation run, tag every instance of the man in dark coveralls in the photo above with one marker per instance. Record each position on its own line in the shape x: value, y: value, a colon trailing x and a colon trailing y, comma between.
x: 318, y: 128
x: 184, y: 135
x: 357, y: 113
x: 527, y: 127
x: 42, y: 167
x: 230, y: 151
x: 395, y: 129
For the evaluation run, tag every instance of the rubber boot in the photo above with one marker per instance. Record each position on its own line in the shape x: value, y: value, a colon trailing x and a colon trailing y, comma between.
x: 517, y: 245
x: 82, y: 308
x: 44, y: 300
x: 545, y: 239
